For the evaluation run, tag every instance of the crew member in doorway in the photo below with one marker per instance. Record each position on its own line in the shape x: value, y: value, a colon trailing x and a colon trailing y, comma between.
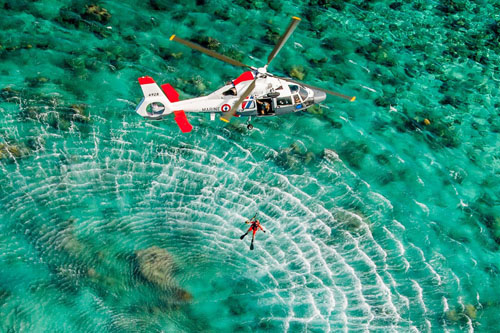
x: 264, y: 107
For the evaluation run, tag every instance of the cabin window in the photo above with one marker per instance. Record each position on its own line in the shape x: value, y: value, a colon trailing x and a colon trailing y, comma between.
x: 284, y: 101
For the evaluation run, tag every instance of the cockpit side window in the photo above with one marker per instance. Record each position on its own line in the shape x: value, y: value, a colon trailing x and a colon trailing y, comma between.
x: 230, y: 92
x: 303, y: 93
x: 296, y: 99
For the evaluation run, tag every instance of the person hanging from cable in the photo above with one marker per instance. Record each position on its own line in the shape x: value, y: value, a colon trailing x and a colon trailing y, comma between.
x: 254, y: 226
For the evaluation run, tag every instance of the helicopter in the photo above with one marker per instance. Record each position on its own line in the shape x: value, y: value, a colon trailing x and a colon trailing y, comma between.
x: 256, y: 92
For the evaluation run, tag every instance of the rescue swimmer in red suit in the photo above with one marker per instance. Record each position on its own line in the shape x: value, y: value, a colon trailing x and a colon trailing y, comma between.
x: 254, y: 226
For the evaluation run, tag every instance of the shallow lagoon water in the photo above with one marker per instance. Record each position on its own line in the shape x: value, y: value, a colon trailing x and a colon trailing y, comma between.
x: 378, y: 220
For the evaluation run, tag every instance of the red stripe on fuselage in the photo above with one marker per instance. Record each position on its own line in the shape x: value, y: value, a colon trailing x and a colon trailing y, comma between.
x: 247, y: 76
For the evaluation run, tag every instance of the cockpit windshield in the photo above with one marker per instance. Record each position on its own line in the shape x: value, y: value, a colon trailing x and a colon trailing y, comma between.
x: 303, y: 93
x: 298, y: 89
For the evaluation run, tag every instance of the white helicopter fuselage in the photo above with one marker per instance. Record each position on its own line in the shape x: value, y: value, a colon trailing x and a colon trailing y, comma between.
x: 271, y: 96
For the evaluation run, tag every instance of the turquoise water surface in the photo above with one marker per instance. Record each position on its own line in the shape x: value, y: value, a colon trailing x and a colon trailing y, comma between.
x: 382, y: 214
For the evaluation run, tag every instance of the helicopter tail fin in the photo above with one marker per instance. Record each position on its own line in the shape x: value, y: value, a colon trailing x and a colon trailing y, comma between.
x: 157, y: 103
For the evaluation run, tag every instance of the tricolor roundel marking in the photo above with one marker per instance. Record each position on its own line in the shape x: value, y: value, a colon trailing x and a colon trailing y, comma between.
x: 225, y: 108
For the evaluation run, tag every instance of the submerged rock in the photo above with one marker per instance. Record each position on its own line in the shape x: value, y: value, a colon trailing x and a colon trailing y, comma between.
x: 335, y: 4
x: 294, y: 157
x: 470, y: 311
x: 272, y: 35
x: 330, y: 155
x: 13, y: 151
x: 352, y: 221
x: 177, y: 295
x: 91, y: 17
x: 36, y: 81
x: 315, y: 109
x: 156, y: 266
x: 158, y: 5
x: 495, y: 228
x: 35, y: 143
x: 233, y: 53
x: 97, y: 13
x: 177, y: 55
x: 208, y: 42
x: 68, y: 241
x: 460, y: 315
x: 80, y: 113
x: 353, y: 152
x: 451, y: 6
x: 9, y: 94
x: 452, y: 315
x: 47, y: 109
x: 298, y: 72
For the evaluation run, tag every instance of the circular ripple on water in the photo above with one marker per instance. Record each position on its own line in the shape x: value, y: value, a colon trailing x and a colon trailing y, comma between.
x: 333, y: 258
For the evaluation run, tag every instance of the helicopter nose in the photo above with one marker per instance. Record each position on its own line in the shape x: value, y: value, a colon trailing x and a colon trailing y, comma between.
x: 319, y: 96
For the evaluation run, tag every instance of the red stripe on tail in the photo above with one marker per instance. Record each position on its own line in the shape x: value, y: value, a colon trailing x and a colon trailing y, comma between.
x: 182, y: 122
x: 180, y: 116
x: 146, y: 80
x: 172, y: 94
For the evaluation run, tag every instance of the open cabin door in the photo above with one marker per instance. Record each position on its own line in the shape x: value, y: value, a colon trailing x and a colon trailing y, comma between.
x: 265, y: 107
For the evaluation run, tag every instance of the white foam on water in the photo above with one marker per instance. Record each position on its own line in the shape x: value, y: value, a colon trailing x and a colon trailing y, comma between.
x: 424, y: 208
x: 368, y: 88
x: 321, y: 271
x: 419, y: 292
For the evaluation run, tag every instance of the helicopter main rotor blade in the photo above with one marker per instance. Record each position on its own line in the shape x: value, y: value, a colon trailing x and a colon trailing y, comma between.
x: 208, y: 52
x: 283, y: 38
x: 228, y: 115
x: 334, y: 93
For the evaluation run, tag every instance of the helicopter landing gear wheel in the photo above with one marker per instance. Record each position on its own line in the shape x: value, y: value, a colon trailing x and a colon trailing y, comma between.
x: 249, y: 126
